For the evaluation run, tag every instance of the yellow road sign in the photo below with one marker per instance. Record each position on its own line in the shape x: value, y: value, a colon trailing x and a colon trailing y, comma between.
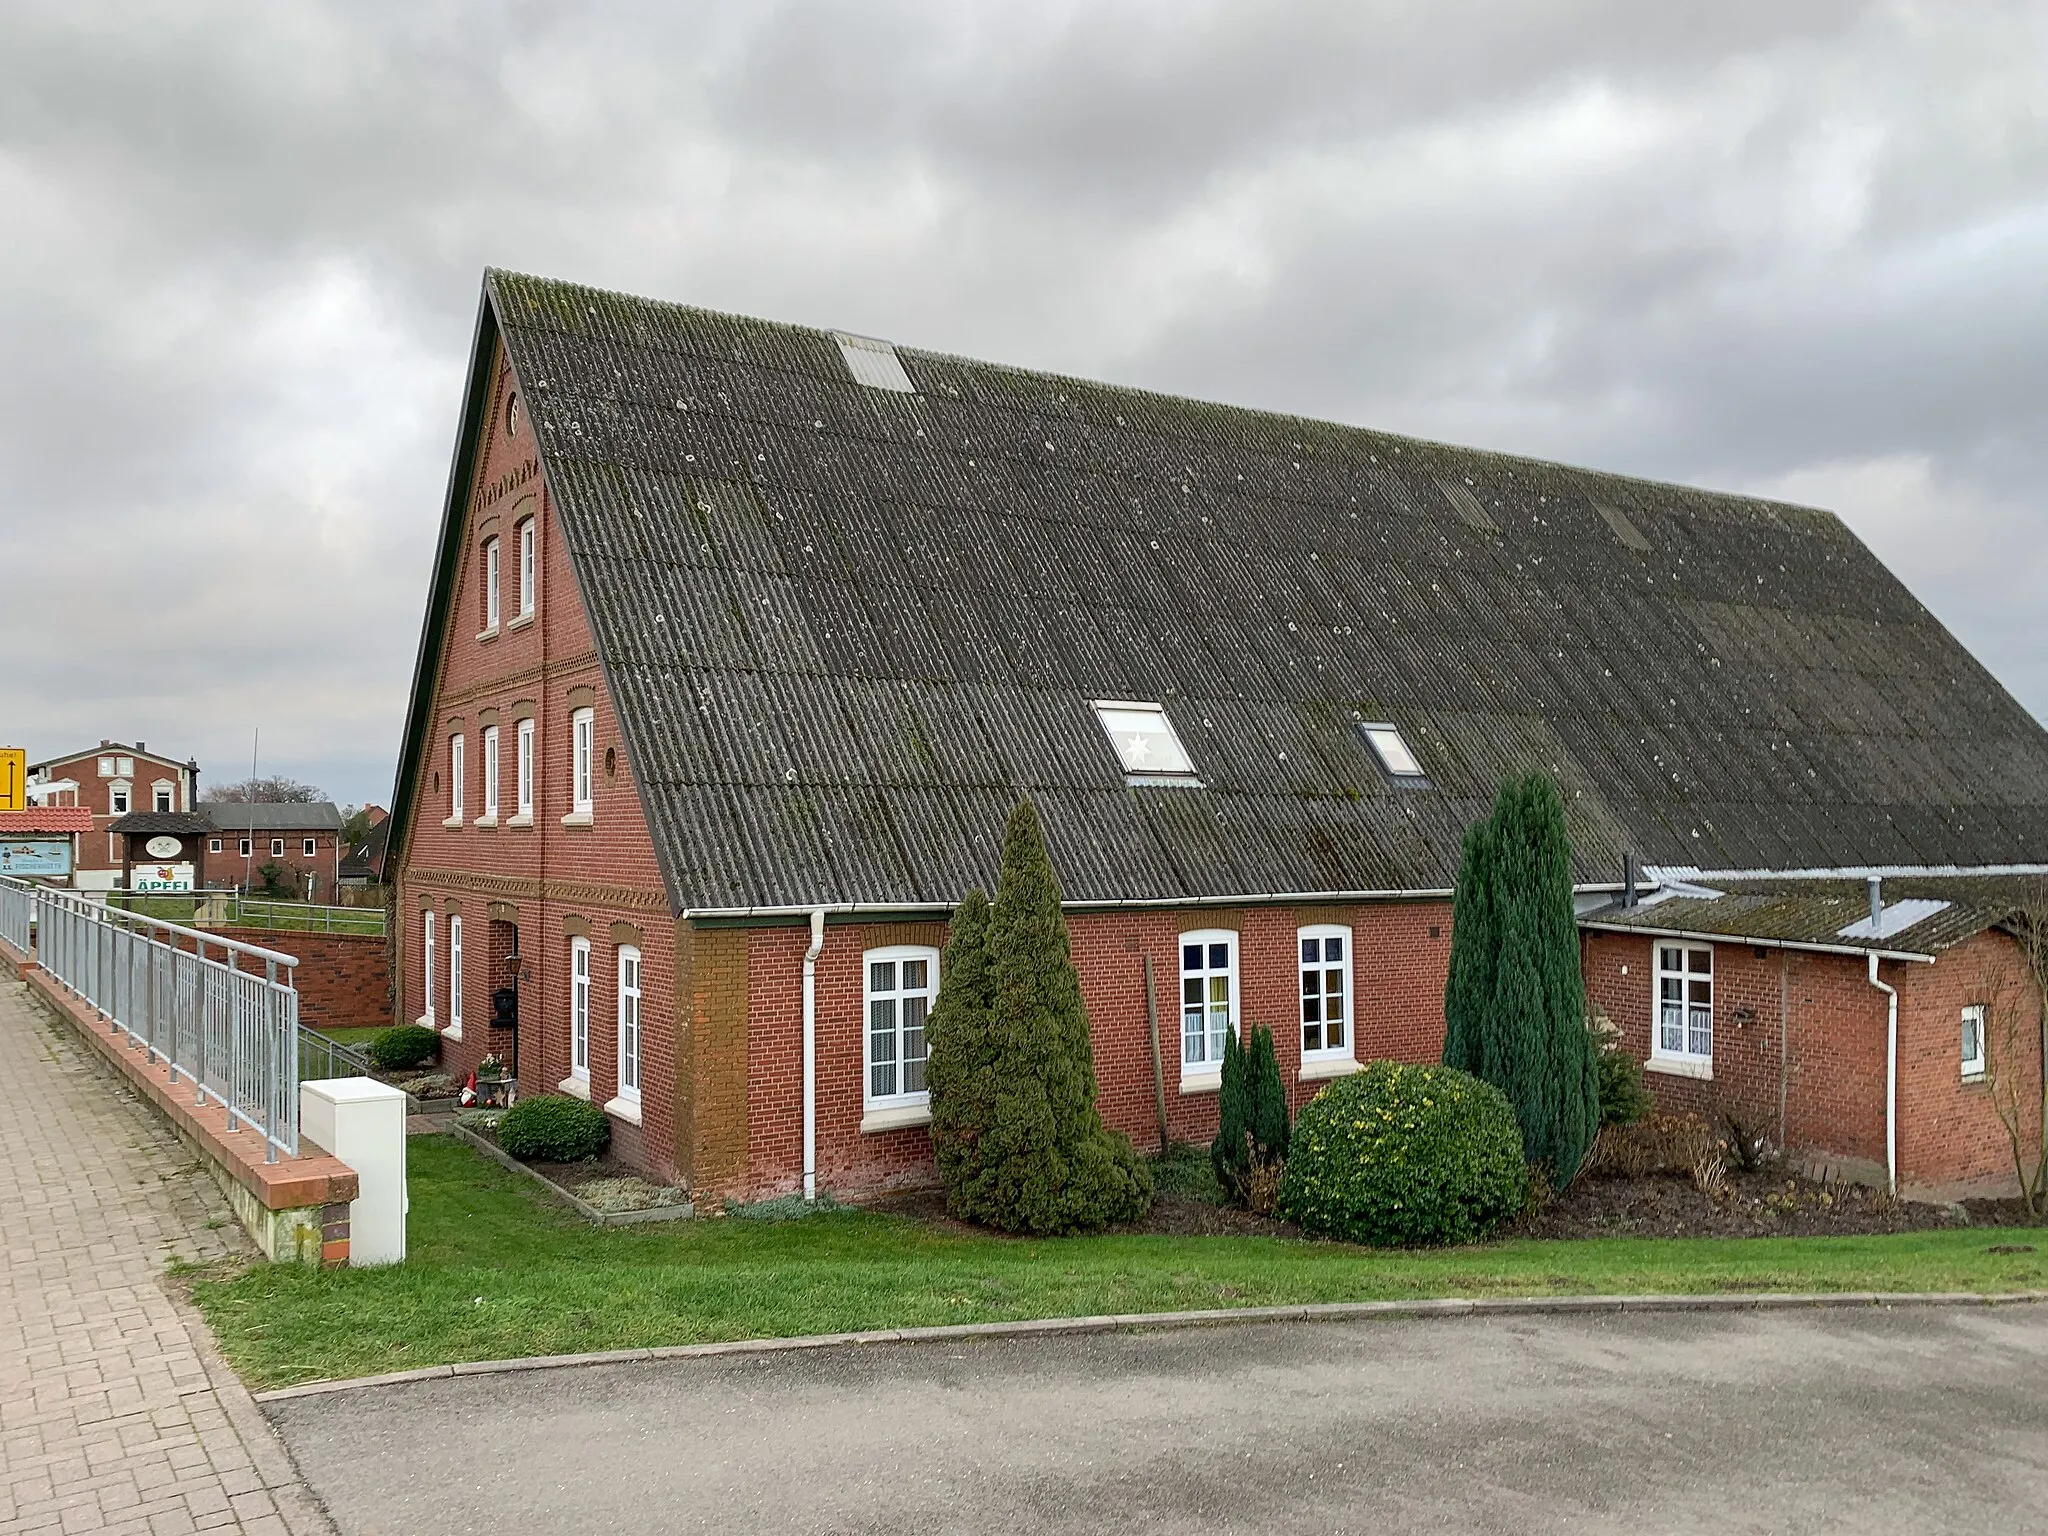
x: 13, y: 779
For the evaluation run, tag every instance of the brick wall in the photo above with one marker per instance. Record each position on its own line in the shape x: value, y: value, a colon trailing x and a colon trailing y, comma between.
x: 1813, y: 1023
x: 344, y: 979
x: 1400, y: 954
x: 96, y: 850
x: 546, y: 880
x: 1950, y: 1137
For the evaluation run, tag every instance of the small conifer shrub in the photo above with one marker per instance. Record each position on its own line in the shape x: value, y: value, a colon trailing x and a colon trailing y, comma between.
x: 1252, y: 1128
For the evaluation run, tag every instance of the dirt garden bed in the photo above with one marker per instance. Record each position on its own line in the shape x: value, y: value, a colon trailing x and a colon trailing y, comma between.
x: 601, y: 1189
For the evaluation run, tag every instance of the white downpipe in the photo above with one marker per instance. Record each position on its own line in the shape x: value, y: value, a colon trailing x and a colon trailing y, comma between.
x: 1891, y: 1079
x: 811, y: 1053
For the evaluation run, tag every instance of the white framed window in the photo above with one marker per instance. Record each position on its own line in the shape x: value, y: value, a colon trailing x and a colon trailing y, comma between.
x: 629, y: 1022
x: 582, y: 747
x: 307, y: 846
x: 244, y: 848
x: 125, y: 767
x: 899, y: 985
x: 427, y: 969
x: 113, y: 847
x: 1973, y: 1040
x: 277, y: 847
x: 455, y: 971
x: 213, y: 845
x: 117, y: 799
x: 579, y: 1009
x: 1145, y: 742
x: 490, y: 585
x: 455, y: 777
x: 524, y: 771
x: 1324, y: 951
x: 490, y: 773
x: 160, y: 797
x: 1685, y: 1003
x: 1208, y: 997
x: 526, y: 568
x: 1391, y: 748
x: 106, y: 767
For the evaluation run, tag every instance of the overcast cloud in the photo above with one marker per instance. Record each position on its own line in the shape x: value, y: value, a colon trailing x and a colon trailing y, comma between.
x: 1796, y: 248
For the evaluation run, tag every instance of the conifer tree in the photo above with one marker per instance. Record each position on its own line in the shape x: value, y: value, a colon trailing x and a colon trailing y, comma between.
x: 1514, y: 1004
x: 1230, y: 1152
x: 1044, y: 1162
x: 960, y: 1065
x: 1269, y: 1098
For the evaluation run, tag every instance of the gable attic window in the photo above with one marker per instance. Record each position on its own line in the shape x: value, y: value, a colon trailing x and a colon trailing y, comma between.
x: 1391, y: 748
x: 1145, y: 742
x: 873, y: 363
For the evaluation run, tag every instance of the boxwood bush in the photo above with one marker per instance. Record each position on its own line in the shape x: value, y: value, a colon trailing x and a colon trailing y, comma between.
x: 554, y: 1128
x: 404, y: 1047
x: 1405, y: 1155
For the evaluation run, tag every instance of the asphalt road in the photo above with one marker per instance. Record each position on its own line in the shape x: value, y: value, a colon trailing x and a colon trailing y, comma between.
x: 1909, y: 1420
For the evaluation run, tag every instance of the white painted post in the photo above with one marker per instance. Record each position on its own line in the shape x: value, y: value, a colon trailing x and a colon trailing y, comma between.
x: 362, y: 1122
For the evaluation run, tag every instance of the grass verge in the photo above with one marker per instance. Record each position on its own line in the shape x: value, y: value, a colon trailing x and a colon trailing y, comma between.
x: 496, y: 1271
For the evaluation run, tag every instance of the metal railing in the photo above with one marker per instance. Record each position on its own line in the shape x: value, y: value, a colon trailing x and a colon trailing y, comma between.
x: 228, y: 908
x: 228, y: 1032
x: 322, y: 1057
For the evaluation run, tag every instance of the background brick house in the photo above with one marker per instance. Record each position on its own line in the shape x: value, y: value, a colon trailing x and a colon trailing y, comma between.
x: 112, y: 780
x: 301, y: 842
x: 743, y: 639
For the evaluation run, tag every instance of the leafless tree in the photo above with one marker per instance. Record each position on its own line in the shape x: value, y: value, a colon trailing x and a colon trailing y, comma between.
x: 2016, y: 1045
x: 267, y: 790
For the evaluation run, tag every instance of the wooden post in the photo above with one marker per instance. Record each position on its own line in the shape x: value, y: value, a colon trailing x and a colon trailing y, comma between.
x: 1158, y: 1071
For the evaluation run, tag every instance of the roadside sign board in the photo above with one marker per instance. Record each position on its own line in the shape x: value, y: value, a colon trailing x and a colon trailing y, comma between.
x: 161, y: 877
x: 35, y: 856
x: 13, y: 778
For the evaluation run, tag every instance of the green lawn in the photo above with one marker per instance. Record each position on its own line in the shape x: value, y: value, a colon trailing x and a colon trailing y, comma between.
x: 496, y: 1270
x: 354, y: 1039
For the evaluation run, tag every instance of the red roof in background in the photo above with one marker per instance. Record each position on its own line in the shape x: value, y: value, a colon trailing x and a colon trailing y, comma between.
x: 46, y: 819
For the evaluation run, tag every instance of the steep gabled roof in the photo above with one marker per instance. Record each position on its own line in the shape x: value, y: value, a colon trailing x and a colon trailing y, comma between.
x: 846, y: 626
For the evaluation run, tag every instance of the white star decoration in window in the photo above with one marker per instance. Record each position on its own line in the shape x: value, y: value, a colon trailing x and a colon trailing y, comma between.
x: 1144, y: 739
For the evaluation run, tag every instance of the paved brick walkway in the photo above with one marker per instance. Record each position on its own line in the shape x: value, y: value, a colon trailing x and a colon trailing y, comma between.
x: 115, y: 1414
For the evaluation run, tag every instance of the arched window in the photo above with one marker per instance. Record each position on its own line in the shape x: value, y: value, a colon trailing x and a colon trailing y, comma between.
x: 455, y: 974
x: 579, y: 1010
x: 426, y: 963
x: 629, y: 1024
x: 899, y: 985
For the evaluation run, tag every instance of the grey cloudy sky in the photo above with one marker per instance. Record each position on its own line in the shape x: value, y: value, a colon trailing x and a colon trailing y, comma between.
x: 1796, y: 248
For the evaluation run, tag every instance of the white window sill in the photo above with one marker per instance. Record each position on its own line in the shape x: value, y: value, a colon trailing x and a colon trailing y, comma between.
x: 485, y: 821
x: 452, y: 1032
x: 623, y: 1108
x: 1681, y: 1066
x: 519, y: 821
x: 1314, y: 1069
x: 577, y: 1087
x: 521, y: 622
x: 579, y: 819
x: 1977, y: 1076
x: 453, y: 824
x: 488, y: 633
x: 426, y: 1021
x: 894, y: 1117
x: 1201, y: 1080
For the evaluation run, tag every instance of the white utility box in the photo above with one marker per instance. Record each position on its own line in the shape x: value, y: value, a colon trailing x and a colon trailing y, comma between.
x: 362, y: 1122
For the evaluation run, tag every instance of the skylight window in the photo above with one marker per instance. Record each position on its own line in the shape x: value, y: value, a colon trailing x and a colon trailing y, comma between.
x: 1144, y: 740
x: 874, y: 363
x: 1392, y: 751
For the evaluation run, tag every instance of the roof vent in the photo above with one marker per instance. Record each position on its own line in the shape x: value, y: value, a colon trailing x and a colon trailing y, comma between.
x: 873, y: 363
x: 1619, y: 525
x: 1466, y: 505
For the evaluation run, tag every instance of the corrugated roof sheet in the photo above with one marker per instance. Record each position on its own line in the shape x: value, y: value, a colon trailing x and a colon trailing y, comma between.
x: 237, y: 816
x: 848, y: 626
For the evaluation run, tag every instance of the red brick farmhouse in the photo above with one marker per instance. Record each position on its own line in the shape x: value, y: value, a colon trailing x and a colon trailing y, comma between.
x: 744, y: 638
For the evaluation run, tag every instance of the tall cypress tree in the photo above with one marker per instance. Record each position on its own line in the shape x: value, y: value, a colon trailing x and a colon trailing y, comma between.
x: 1514, y: 1003
x: 1044, y: 1162
x: 1475, y: 952
x: 960, y: 1069
x: 1229, y: 1153
x: 1269, y: 1097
